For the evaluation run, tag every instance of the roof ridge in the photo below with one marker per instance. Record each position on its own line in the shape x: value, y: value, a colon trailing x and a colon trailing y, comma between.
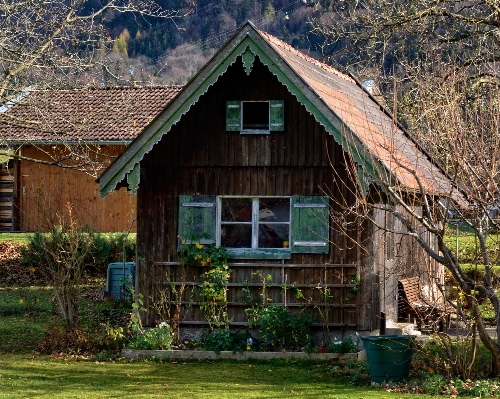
x: 91, y: 88
x: 305, y: 57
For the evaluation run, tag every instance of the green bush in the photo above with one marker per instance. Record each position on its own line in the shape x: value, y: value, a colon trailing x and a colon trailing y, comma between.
x: 278, y: 326
x: 347, y: 345
x: 434, y: 384
x: 358, y: 373
x: 109, y: 248
x: 160, y: 337
x: 106, y: 248
x: 224, y: 340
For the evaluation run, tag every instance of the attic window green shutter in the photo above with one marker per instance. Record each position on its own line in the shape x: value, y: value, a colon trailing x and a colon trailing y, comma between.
x: 233, y: 116
x: 197, y: 215
x: 276, y: 115
x: 310, y: 221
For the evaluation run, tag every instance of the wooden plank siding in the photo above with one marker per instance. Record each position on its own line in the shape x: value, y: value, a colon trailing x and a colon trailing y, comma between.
x: 48, y: 189
x: 6, y: 198
x: 198, y: 157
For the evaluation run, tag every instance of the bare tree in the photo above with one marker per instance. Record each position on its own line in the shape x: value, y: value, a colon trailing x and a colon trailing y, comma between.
x: 435, y: 62
x: 465, y: 32
x: 47, y: 44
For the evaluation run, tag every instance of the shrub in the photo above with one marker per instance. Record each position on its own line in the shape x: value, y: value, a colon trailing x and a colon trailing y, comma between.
x: 224, y: 340
x: 160, y: 337
x: 453, y: 357
x: 108, y: 248
x: 104, y: 248
x: 357, y: 372
x: 280, y: 327
x: 346, y: 345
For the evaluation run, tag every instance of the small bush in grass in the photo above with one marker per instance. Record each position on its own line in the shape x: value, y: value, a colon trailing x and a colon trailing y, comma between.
x: 281, y: 328
x: 160, y: 337
x: 357, y: 372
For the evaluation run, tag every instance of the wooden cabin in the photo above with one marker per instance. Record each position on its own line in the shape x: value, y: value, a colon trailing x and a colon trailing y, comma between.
x: 62, y: 139
x: 262, y: 152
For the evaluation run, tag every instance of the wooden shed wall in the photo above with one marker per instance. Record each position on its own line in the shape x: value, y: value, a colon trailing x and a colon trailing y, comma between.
x: 61, y: 186
x: 396, y: 255
x: 199, y: 157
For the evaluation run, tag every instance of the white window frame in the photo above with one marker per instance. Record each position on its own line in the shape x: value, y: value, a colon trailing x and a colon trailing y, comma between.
x: 254, y: 222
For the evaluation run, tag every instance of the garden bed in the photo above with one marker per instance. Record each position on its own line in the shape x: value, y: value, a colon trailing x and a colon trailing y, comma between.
x: 341, y: 358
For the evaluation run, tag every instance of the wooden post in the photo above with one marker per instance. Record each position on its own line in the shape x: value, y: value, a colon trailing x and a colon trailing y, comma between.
x: 382, y: 323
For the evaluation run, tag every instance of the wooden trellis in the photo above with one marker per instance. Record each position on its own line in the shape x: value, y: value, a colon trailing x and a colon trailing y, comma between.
x: 327, y: 290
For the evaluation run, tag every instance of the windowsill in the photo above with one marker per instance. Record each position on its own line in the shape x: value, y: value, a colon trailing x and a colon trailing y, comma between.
x: 263, y: 253
x: 254, y: 131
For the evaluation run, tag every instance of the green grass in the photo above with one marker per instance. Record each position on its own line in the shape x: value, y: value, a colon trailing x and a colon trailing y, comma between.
x: 15, y: 237
x: 25, y: 376
x: 25, y: 314
x: 469, y: 250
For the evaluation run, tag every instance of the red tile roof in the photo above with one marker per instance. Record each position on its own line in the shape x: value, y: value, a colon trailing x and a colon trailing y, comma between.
x: 91, y: 114
x: 365, y: 119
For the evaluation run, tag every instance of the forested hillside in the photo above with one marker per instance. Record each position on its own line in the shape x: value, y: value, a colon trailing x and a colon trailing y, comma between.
x: 170, y: 51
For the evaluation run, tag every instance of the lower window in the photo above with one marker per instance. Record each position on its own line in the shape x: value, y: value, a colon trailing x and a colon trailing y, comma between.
x: 256, y: 227
x: 254, y: 222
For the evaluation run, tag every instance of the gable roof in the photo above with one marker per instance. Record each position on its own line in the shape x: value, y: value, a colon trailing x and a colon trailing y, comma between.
x: 107, y: 115
x: 337, y: 101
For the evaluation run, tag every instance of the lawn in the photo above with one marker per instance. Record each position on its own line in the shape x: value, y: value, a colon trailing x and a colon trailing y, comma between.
x: 15, y: 237
x: 23, y: 376
x: 26, y: 313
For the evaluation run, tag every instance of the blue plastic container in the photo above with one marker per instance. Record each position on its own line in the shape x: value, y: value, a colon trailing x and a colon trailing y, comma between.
x: 120, y: 276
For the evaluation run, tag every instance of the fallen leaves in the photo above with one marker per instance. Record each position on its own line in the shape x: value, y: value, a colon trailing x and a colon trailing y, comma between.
x: 12, y: 269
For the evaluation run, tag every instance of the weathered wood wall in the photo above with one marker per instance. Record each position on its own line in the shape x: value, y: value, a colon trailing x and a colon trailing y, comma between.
x: 45, y: 189
x: 199, y: 157
x: 396, y: 255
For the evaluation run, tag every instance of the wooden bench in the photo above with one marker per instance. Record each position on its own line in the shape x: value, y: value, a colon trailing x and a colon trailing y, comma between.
x: 414, y: 304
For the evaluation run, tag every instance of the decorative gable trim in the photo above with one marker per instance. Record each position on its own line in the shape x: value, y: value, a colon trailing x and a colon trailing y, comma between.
x: 248, y: 40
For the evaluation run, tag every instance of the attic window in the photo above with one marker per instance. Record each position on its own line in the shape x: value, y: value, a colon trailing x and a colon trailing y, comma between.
x: 255, y: 117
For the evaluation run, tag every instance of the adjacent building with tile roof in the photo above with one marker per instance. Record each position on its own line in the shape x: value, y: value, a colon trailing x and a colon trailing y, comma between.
x: 63, y: 139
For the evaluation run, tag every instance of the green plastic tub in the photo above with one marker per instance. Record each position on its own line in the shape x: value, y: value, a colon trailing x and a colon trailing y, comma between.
x: 389, y: 356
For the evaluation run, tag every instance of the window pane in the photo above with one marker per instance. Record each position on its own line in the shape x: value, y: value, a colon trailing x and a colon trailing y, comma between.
x: 256, y: 115
x: 274, y: 210
x: 236, y: 210
x: 274, y: 235
x: 236, y: 235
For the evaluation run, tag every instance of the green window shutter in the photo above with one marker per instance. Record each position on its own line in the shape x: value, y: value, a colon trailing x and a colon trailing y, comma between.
x: 197, y: 215
x: 276, y: 115
x: 233, y: 116
x: 310, y: 225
